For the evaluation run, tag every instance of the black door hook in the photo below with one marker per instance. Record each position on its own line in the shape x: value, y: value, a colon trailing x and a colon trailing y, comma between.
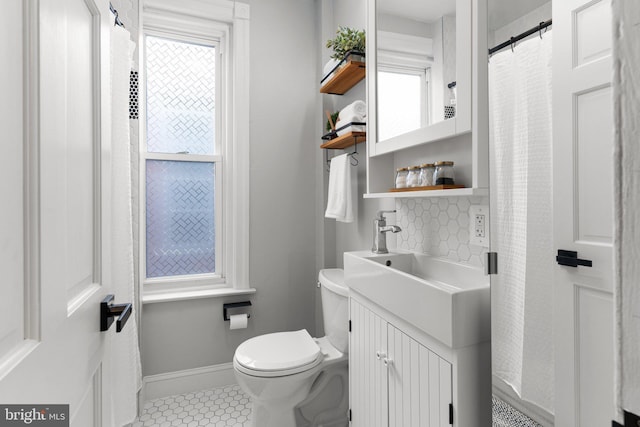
x: 109, y: 310
x: 570, y: 259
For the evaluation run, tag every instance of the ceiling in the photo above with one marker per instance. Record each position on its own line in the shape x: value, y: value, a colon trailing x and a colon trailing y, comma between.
x: 418, y: 10
x: 502, y: 12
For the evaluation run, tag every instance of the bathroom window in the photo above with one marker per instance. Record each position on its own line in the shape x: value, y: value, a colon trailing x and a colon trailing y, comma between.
x: 183, y: 154
x: 402, y: 99
x: 190, y: 213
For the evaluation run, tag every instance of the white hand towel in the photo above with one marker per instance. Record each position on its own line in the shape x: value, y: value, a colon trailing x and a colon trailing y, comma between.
x: 356, y: 108
x: 340, y: 194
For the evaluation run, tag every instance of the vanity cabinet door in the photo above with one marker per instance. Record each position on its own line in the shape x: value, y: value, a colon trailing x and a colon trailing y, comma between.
x: 419, y: 383
x: 367, y: 371
x: 393, y: 380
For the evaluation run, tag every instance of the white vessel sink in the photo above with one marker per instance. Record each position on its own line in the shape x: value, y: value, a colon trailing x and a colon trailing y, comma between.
x: 449, y: 301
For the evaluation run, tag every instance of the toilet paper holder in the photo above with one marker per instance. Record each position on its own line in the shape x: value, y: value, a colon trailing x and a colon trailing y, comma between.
x: 233, y: 305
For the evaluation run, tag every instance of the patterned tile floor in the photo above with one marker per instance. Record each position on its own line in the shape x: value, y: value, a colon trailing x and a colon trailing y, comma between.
x: 230, y: 407
x: 505, y: 415
x: 218, y: 407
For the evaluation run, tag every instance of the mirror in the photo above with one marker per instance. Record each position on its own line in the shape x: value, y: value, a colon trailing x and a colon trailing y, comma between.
x: 433, y: 37
x: 416, y: 65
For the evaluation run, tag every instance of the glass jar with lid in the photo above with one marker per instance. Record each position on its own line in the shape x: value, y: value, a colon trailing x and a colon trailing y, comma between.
x: 426, y: 174
x: 443, y: 174
x: 401, y: 177
x: 413, y: 177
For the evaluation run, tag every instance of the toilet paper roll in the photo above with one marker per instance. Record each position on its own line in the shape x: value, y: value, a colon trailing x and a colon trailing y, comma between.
x: 238, y: 321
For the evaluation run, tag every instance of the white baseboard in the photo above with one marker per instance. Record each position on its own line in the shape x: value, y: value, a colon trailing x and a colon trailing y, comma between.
x: 189, y: 380
x: 503, y: 391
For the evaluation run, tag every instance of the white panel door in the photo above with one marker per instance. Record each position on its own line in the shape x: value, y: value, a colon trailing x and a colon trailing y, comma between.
x: 55, y: 235
x: 583, y: 211
x: 420, y: 383
x: 367, y: 372
x: 12, y: 221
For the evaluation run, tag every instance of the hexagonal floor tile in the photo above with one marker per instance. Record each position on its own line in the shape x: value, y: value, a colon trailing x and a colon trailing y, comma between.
x: 203, y: 408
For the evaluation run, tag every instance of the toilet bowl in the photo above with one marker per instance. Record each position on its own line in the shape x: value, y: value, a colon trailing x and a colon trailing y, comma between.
x: 295, y: 380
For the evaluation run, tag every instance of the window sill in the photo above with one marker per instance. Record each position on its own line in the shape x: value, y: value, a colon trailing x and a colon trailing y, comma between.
x: 187, y: 294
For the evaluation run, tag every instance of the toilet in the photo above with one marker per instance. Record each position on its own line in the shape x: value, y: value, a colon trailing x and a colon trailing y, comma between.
x: 295, y: 380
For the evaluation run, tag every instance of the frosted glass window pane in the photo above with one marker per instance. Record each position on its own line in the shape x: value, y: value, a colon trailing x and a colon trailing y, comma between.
x: 180, y: 218
x: 180, y: 97
x: 399, y: 104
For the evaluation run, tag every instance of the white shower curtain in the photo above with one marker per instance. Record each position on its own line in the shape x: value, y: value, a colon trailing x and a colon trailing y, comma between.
x: 124, y: 355
x: 521, y: 210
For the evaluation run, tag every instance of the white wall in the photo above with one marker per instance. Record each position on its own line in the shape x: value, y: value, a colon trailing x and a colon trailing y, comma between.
x: 401, y: 25
x: 284, y: 145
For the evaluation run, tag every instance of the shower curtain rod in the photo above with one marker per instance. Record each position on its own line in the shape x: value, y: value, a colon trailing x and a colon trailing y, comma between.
x: 511, y: 42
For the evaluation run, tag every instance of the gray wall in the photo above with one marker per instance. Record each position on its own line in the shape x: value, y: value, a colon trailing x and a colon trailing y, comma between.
x: 341, y: 237
x: 289, y: 237
x: 521, y: 23
x: 189, y: 334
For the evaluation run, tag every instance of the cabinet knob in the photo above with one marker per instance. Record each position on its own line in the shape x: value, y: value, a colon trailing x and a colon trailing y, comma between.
x: 380, y: 355
x: 387, y: 362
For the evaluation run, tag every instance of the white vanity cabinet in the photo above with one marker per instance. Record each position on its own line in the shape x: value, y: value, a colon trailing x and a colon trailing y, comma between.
x: 368, y: 374
x: 419, y: 383
x: 394, y: 380
x: 399, y: 377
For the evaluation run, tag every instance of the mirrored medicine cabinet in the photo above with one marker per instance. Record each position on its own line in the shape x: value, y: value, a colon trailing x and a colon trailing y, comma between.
x: 418, y: 72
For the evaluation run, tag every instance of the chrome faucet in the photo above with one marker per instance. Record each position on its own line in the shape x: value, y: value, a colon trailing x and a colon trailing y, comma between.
x: 380, y: 228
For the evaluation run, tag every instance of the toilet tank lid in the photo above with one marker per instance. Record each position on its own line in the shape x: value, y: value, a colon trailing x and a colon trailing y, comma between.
x: 333, y: 279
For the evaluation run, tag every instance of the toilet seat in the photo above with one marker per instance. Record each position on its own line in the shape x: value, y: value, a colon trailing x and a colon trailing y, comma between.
x: 278, y: 354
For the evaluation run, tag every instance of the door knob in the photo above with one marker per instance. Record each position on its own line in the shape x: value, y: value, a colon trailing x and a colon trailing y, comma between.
x: 109, y: 310
x: 570, y: 259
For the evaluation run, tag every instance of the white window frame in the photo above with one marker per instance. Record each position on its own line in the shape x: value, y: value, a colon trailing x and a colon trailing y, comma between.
x: 225, y: 25
x: 423, y: 73
x: 408, y: 54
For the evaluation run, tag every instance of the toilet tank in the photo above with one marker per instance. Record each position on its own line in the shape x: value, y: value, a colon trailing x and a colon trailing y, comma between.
x: 335, y: 307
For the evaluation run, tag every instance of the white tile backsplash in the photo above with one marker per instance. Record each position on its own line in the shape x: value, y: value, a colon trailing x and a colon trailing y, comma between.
x: 439, y: 226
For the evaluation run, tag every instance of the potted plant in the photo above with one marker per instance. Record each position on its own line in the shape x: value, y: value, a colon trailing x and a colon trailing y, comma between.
x: 346, y: 40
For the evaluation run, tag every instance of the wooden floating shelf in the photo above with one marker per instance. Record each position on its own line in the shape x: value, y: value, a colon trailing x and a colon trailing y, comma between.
x: 429, y: 188
x: 454, y: 192
x: 346, y: 140
x: 345, y: 78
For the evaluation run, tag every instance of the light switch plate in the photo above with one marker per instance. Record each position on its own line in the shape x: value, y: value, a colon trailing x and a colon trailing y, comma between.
x: 479, y: 225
